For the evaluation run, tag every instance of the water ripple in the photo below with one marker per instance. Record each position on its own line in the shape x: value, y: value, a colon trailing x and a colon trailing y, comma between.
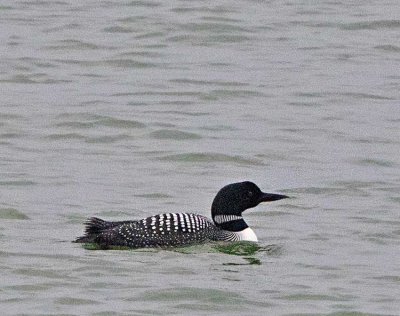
x: 148, y: 4
x: 87, y: 120
x: 371, y: 25
x: 17, y: 183
x: 212, y: 158
x: 173, y: 134
x: 388, y: 48
x: 12, y: 213
x: 73, y: 45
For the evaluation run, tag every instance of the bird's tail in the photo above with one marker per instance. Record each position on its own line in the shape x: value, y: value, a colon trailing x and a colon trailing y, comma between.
x: 93, y: 227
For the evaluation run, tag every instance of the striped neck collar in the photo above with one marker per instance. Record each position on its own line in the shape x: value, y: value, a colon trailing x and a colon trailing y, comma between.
x: 220, y: 219
x: 233, y: 223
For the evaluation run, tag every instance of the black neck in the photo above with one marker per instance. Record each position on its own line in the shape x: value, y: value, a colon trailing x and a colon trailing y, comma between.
x: 233, y: 226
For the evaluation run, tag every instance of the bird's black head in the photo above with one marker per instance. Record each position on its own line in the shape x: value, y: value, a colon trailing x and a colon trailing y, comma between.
x: 235, y: 198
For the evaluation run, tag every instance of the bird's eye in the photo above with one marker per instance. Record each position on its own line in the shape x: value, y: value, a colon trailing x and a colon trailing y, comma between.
x: 247, y: 195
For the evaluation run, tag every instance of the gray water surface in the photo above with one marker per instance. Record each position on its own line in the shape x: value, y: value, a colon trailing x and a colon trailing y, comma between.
x: 125, y: 109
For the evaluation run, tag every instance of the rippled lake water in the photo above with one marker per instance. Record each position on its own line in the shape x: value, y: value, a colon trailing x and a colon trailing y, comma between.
x: 125, y: 109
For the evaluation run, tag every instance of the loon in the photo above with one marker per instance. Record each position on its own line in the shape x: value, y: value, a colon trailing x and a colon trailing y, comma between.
x: 184, y: 229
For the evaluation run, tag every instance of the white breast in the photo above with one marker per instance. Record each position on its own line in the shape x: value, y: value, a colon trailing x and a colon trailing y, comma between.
x: 247, y: 234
